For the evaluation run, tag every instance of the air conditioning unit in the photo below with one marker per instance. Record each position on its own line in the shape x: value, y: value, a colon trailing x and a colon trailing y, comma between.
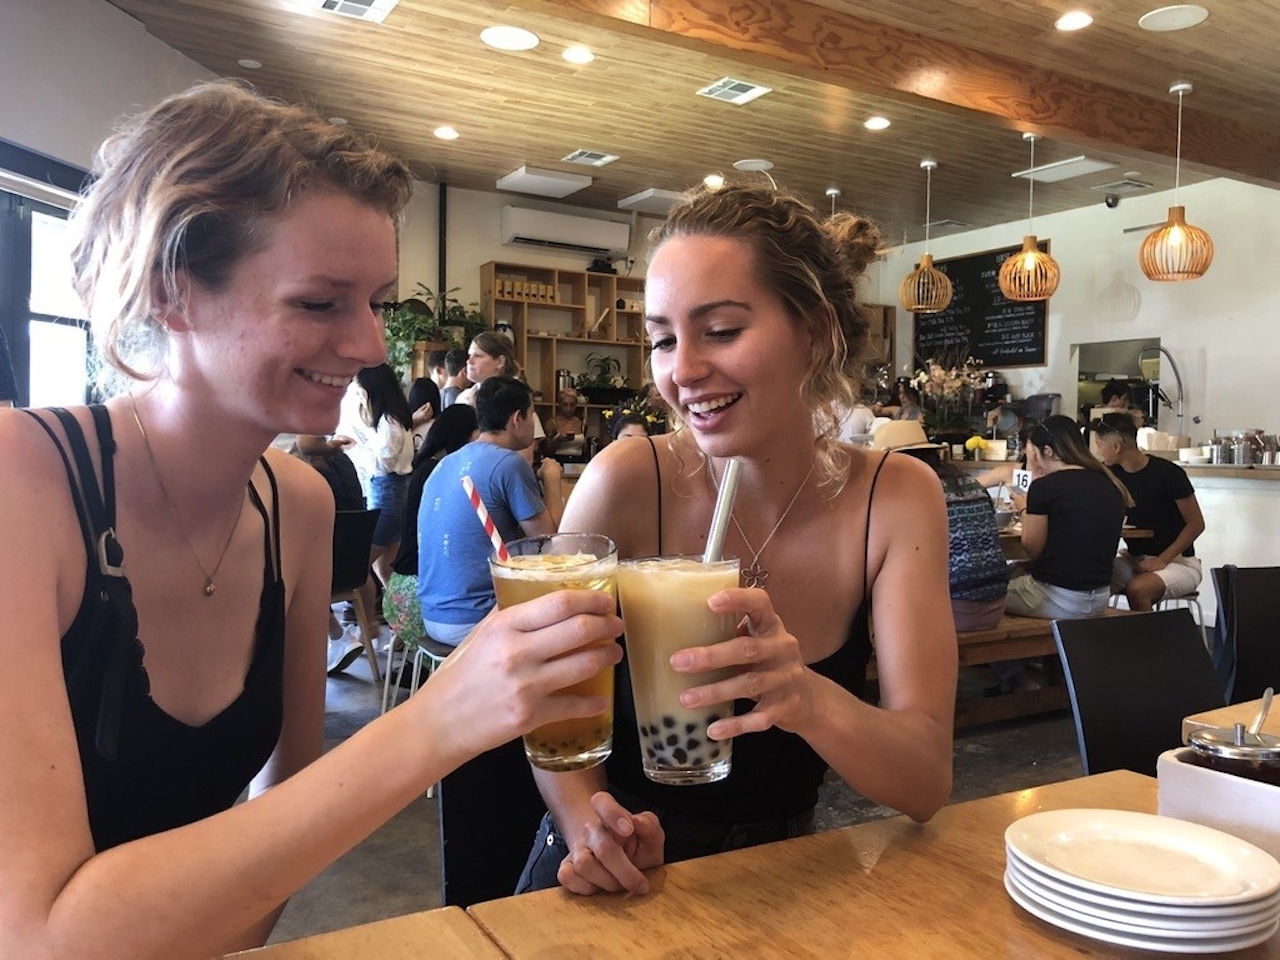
x: 561, y: 231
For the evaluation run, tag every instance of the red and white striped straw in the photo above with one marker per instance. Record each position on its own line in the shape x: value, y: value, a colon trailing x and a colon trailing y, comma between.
x: 494, y: 537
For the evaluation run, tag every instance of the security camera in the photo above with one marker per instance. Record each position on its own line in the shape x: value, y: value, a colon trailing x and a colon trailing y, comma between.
x: 1112, y: 201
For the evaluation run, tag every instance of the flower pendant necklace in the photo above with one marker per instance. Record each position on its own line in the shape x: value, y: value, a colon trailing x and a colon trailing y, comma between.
x: 756, y: 575
x: 209, y: 575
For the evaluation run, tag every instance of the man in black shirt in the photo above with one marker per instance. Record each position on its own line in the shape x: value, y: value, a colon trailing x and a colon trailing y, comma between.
x: 1164, y: 565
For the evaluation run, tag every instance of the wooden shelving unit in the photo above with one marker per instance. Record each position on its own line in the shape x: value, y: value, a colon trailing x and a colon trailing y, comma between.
x: 558, y: 318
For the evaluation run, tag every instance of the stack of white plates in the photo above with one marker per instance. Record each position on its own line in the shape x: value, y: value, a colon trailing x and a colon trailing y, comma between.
x: 1143, y: 881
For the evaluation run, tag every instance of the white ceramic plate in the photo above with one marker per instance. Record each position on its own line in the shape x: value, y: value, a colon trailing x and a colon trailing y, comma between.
x: 1145, y: 924
x: 1143, y: 856
x: 1166, y: 944
x: 1142, y: 907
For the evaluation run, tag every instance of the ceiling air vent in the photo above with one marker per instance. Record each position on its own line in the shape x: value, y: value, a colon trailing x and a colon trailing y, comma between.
x: 734, y: 91
x: 1064, y: 169
x: 589, y: 158
x: 1121, y: 187
x: 375, y: 10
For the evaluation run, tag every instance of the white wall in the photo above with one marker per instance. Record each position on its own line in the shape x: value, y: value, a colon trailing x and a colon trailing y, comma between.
x: 1221, y: 329
x: 70, y: 68
x: 473, y: 226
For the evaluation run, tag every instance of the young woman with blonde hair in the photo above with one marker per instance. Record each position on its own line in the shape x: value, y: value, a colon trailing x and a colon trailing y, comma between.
x: 165, y: 576
x: 751, y: 305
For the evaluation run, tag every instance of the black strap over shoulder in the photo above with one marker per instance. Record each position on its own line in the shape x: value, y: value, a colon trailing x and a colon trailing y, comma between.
x: 106, y: 654
x: 657, y: 470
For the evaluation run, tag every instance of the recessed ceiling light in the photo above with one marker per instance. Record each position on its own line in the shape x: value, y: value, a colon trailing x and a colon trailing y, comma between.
x: 338, y: 121
x: 445, y: 133
x: 755, y: 165
x: 713, y: 181
x: 1075, y: 20
x: 876, y: 123
x: 1178, y: 17
x: 578, y: 54
x: 250, y: 64
x: 509, y: 38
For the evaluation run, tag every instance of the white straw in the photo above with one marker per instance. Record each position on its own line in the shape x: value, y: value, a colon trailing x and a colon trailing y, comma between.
x: 724, y: 508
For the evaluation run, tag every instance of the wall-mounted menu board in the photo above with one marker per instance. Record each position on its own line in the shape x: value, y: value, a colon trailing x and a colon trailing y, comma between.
x: 980, y: 322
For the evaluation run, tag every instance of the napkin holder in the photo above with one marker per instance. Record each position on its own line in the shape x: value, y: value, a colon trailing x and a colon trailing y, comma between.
x: 1244, y: 808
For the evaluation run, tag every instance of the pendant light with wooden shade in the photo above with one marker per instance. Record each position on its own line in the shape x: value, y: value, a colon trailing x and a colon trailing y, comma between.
x: 1176, y: 251
x: 926, y: 289
x: 1030, y: 274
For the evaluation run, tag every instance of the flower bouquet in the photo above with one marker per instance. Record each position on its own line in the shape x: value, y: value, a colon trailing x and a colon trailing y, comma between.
x: 639, y: 406
x: 946, y: 393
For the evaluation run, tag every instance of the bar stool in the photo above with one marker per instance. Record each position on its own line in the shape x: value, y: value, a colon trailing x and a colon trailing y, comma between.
x: 417, y: 650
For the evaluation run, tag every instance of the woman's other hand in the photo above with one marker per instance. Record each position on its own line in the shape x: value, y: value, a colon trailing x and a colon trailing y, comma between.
x: 612, y: 849
x: 766, y: 663
x: 510, y: 675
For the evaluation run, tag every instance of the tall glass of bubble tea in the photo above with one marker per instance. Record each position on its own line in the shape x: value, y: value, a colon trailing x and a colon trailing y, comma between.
x: 664, y: 607
x: 536, y: 566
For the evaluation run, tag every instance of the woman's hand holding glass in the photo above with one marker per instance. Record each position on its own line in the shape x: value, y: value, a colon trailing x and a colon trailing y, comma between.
x: 509, y: 674
x: 767, y: 668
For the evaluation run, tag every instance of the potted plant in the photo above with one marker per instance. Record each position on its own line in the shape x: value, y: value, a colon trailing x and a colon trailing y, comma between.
x: 408, y: 323
x: 603, y: 382
x: 457, y: 323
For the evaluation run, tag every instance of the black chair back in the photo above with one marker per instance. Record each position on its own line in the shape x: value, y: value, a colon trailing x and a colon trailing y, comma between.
x: 1132, y: 680
x: 1246, y: 598
x: 352, y: 543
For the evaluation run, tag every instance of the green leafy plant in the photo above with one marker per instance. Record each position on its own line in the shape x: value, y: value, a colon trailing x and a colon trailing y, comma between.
x: 602, y: 371
x: 424, y: 317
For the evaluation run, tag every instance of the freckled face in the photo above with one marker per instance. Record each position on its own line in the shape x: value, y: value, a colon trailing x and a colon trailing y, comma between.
x: 297, y: 320
x: 726, y: 353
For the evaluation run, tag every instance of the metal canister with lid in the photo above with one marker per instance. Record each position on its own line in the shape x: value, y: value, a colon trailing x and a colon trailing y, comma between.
x: 1234, y: 750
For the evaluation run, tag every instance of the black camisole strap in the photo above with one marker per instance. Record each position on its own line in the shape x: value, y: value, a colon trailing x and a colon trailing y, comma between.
x: 657, y: 472
x: 866, y: 536
x: 271, y: 543
x: 73, y: 485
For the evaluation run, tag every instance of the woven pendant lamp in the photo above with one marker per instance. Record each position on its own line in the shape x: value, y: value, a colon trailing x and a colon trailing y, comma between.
x: 926, y: 289
x: 1030, y: 274
x: 1176, y: 251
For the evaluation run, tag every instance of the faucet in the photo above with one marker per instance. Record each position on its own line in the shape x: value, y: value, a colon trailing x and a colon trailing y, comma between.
x: 1177, y: 379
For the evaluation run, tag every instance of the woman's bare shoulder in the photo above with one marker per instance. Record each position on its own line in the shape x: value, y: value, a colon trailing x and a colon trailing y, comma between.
x: 300, y: 482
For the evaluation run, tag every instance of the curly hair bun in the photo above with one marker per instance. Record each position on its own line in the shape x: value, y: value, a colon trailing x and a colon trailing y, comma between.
x: 858, y: 237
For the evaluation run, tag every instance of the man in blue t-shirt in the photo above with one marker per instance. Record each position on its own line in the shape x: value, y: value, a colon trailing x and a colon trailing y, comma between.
x: 1164, y: 565
x: 454, y: 585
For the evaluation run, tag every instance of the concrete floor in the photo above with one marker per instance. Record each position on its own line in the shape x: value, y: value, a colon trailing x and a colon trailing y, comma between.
x: 397, y: 870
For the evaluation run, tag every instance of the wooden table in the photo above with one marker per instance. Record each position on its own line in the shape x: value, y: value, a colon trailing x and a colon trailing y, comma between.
x: 886, y: 889
x: 444, y: 934
x: 1236, y: 713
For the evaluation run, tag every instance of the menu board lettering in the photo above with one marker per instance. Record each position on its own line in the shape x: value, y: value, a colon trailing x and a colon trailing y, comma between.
x: 980, y: 322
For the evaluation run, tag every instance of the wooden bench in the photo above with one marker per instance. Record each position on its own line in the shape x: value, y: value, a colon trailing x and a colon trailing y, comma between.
x: 1014, y: 638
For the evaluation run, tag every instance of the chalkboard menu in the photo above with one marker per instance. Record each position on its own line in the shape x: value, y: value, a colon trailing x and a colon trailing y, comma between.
x: 980, y: 322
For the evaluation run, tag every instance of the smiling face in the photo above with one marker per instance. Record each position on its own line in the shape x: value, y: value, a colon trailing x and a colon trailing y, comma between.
x: 298, y: 318
x: 481, y: 366
x: 726, y: 354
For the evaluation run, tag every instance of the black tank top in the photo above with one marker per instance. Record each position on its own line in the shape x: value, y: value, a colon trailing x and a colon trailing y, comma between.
x: 145, y: 771
x: 775, y: 774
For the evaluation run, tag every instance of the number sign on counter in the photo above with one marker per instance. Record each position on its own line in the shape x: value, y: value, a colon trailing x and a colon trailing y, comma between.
x: 980, y: 322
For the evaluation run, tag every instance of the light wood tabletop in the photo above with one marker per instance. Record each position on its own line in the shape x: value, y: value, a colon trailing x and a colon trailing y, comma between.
x: 1229, y: 716
x: 444, y: 934
x: 887, y: 889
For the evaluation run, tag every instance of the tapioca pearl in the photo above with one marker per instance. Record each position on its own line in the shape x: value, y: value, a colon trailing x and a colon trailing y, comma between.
x: 679, y: 756
x: 715, y: 753
x: 712, y: 718
x: 697, y: 760
x: 673, y: 739
x: 648, y: 752
x: 693, y: 743
x: 658, y: 746
x: 690, y: 727
x: 669, y: 722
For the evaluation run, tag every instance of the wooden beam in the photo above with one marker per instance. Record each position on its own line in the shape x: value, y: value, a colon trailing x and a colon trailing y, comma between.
x: 872, y: 58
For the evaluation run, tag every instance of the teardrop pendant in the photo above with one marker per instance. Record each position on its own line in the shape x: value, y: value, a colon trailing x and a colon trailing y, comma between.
x: 208, y: 587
